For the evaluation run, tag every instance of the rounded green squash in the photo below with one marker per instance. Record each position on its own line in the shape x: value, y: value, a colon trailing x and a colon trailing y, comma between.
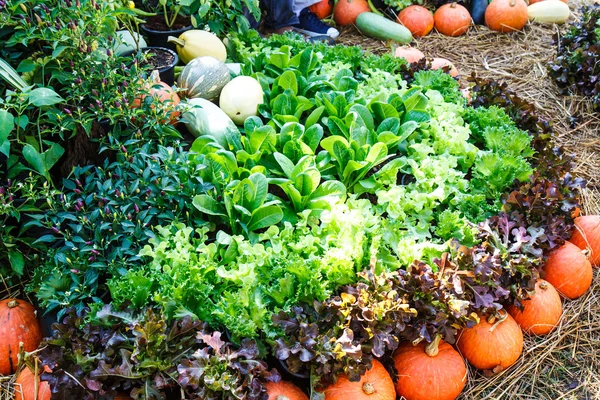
x: 203, y: 77
x: 207, y: 119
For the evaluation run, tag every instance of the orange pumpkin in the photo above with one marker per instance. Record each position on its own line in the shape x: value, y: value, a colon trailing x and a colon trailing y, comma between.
x: 410, y: 54
x: 506, y: 15
x: 163, y: 93
x: 25, y: 386
x: 284, y: 391
x: 492, y: 344
x: 18, y: 323
x: 432, y: 371
x: 375, y: 384
x: 322, y: 9
x: 345, y: 12
x: 569, y: 270
x: 418, y: 20
x: 452, y: 19
x: 587, y: 236
x: 541, y: 312
x: 439, y: 63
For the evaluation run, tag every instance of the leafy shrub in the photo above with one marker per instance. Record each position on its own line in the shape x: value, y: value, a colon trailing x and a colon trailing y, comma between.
x: 105, y: 215
x: 577, y: 65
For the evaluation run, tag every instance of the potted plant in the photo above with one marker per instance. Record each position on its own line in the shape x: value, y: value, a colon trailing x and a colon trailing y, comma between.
x: 170, y: 20
x: 161, y: 59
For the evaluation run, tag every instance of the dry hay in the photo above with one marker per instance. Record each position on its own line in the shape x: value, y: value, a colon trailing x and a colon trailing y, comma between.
x: 563, y: 365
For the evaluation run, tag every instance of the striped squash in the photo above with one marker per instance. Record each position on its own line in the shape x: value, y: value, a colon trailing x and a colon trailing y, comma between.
x: 203, y: 77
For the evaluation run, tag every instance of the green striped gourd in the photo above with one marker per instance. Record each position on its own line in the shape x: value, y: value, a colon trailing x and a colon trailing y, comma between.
x: 203, y: 77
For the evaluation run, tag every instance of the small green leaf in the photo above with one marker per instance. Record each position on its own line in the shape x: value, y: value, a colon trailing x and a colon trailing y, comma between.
x: 17, y: 262
x: 265, y: 217
x: 41, y: 97
x: 206, y: 204
x: 35, y: 159
x: 288, y: 80
x: 7, y: 124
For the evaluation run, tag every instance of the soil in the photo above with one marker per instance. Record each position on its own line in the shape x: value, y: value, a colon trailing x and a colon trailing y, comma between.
x: 159, y: 58
x: 157, y: 23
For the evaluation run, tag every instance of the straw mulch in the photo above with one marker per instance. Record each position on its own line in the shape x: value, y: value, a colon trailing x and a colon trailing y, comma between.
x: 565, y: 364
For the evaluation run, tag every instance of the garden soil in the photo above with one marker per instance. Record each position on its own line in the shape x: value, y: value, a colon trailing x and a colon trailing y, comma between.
x: 563, y: 365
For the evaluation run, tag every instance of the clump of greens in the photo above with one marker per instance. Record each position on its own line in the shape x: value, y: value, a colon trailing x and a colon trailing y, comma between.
x: 577, y: 65
x: 146, y: 355
x: 106, y: 214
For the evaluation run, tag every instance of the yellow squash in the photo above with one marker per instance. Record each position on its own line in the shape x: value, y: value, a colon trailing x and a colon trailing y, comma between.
x: 549, y: 12
x: 198, y: 43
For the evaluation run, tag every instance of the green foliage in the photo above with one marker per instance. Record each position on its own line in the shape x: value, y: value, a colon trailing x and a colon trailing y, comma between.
x: 107, y: 214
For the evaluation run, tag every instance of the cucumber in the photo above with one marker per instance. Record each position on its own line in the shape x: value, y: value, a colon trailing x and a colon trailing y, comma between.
x: 378, y: 27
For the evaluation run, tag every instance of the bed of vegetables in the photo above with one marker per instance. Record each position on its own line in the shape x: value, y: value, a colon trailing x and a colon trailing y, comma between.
x: 303, y: 213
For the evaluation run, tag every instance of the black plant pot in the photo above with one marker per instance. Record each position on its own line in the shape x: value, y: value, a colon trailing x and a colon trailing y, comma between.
x: 302, y: 380
x: 159, y: 38
x: 167, y: 73
x: 46, y: 320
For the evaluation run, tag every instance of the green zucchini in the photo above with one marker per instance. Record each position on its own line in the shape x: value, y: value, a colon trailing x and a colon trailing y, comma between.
x: 378, y: 27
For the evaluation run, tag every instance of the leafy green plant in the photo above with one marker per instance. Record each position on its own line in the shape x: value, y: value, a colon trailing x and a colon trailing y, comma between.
x: 106, y: 215
x: 245, y: 207
x: 303, y: 187
x: 224, y: 16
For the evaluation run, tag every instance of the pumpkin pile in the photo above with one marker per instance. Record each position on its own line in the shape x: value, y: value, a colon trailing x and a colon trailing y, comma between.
x: 450, y: 19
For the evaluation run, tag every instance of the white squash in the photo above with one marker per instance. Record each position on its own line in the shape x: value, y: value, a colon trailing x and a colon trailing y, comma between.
x: 126, y: 42
x: 240, y: 98
x: 198, y: 43
x: 209, y: 120
x: 549, y: 12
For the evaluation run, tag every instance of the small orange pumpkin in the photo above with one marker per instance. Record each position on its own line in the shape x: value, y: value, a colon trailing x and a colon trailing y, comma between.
x: 410, y: 54
x: 452, y: 19
x: 375, y: 384
x: 18, y: 323
x: 322, y: 9
x: 587, y: 236
x: 569, y: 270
x: 439, y: 63
x: 345, y: 12
x: 284, y: 391
x: 506, y: 15
x: 25, y: 385
x: 163, y: 93
x: 541, y: 312
x: 493, y: 344
x: 417, y: 19
x: 432, y: 371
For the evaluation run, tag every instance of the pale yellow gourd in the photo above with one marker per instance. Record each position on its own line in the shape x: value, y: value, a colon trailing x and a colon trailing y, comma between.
x: 198, y: 43
x: 549, y: 12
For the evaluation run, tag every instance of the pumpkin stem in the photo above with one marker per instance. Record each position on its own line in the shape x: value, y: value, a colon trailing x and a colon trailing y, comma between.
x: 177, y: 41
x: 586, y: 252
x: 452, y: 5
x: 282, y: 397
x: 513, y: 3
x: 12, y: 303
x: 503, y: 317
x: 543, y: 285
x: 368, y: 388
x: 432, y: 349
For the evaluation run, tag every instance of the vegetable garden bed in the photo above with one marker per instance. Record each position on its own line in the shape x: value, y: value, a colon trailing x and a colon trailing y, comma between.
x: 352, y: 168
